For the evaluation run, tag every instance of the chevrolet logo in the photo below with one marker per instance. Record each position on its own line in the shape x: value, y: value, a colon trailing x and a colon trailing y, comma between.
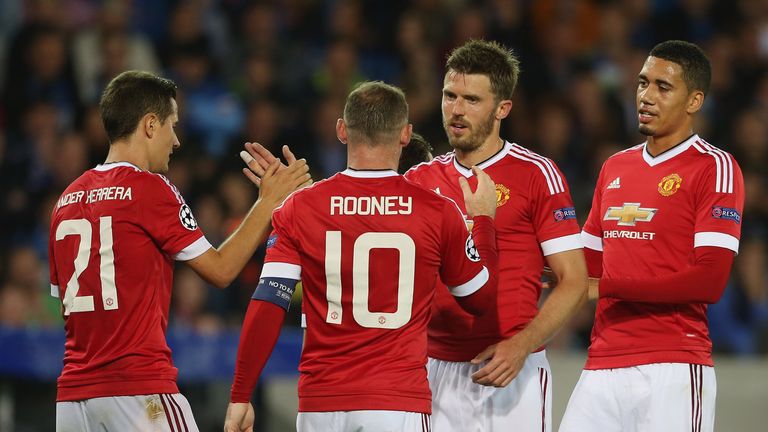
x: 630, y: 213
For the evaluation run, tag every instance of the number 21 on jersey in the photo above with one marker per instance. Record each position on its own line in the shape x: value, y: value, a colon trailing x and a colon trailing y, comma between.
x: 360, y: 278
x: 82, y: 228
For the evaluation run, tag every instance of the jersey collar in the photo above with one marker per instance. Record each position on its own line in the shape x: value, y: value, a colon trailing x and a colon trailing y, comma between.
x: 351, y: 172
x: 466, y: 172
x: 112, y: 165
x: 669, y: 154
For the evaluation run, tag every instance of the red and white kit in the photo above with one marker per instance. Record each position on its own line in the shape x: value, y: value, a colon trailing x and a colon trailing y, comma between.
x: 115, y: 233
x: 535, y: 217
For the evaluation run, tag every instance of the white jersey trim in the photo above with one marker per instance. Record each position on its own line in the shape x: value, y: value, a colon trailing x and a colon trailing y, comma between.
x: 669, y: 154
x: 281, y: 270
x: 197, y: 248
x: 466, y: 172
x: 709, y: 238
x: 723, y: 163
x: 54, y: 291
x: 369, y: 173
x: 113, y: 165
x: 592, y: 241
x: 471, y: 286
x: 561, y: 244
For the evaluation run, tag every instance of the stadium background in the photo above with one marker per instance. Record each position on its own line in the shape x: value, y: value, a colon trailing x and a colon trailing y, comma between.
x: 277, y: 72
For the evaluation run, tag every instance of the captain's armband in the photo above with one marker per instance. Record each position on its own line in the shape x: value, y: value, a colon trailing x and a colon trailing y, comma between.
x: 275, y: 290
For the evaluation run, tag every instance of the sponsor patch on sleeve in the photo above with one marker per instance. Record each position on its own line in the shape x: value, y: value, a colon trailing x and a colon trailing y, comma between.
x: 727, y: 213
x: 564, y: 213
x: 271, y: 241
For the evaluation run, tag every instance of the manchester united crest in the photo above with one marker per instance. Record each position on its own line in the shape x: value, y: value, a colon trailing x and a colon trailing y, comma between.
x: 502, y: 194
x: 670, y: 184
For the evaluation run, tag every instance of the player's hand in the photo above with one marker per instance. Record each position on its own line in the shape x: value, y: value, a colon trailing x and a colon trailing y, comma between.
x: 239, y: 418
x: 481, y: 202
x: 258, y: 159
x: 549, y: 278
x: 277, y: 182
x: 505, y: 359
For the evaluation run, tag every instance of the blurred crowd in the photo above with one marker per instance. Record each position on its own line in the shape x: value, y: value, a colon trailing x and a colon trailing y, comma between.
x: 277, y: 72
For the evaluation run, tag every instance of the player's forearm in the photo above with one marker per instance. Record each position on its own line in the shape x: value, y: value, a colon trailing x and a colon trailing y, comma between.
x: 569, y: 295
x: 703, y: 282
x: 235, y: 252
x: 258, y: 337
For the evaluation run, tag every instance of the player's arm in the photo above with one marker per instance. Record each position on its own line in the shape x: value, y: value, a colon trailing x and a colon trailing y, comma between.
x: 563, y: 251
x: 219, y: 266
x: 481, y: 208
x: 702, y: 282
x: 263, y: 320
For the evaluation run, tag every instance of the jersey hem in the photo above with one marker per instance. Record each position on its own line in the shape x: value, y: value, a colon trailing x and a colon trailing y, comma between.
x: 67, y: 393
x: 388, y: 402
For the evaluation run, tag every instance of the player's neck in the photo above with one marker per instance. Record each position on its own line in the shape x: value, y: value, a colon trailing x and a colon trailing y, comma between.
x: 490, y: 147
x: 658, y: 145
x: 124, y: 151
x: 362, y: 157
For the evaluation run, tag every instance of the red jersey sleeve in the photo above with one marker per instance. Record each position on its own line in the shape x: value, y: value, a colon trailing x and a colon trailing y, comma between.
x: 592, y: 233
x: 281, y: 244
x: 460, y: 269
x: 553, y: 213
x: 169, y: 220
x: 719, y: 206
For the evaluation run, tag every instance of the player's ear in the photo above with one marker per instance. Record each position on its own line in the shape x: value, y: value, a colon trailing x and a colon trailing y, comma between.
x: 341, y: 131
x: 503, y: 109
x: 405, y: 134
x: 695, y: 101
x: 149, y: 124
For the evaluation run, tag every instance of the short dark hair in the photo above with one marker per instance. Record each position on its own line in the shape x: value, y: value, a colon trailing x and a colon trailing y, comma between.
x: 417, y: 151
x: 129, y: 97
x: 697, y: 71
x: 488, y: 58
x: 373, y: 109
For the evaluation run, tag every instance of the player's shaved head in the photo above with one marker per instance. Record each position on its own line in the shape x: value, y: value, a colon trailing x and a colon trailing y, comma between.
x: 130, y: 96
x: 375, y: 112
x: 697, y: 71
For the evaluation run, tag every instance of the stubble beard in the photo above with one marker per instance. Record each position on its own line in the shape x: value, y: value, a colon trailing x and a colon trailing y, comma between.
x: 645, y: 130
x: 474, y: 139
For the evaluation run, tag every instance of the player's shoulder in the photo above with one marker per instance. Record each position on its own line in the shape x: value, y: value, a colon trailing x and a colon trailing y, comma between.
x: 532, y: 165
x: 310, y: 192
x: 431, y: 167
x: 718, y: 163
x: 431, y: 198
x: 626, y: 154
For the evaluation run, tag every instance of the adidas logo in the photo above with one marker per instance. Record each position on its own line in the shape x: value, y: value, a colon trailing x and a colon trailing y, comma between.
x: 615, y: 184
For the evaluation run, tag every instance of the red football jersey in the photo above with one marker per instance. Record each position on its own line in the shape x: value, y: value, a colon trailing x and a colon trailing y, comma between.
x: 648, y: 214
x: 115, y: 232
x: 535, y: 217
x: 369, y: 247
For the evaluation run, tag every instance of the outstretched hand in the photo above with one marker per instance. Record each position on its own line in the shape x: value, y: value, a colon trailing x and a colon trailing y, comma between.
x: 278, y: 182
x: 258, y: 160
x: 240, y: 417
x: 481, y: 202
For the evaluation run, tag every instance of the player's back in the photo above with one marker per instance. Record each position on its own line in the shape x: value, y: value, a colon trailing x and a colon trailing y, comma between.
x: 111, y: 264
x: 372, y: 246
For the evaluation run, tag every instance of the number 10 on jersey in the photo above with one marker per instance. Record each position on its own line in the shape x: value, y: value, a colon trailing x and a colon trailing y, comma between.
x: 401, y: 242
